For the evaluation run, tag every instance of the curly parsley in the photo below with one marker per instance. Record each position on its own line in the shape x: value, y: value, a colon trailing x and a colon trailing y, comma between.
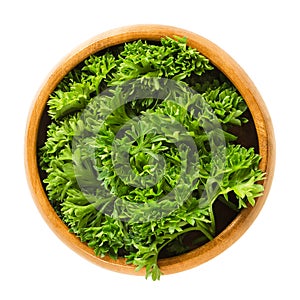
x: 136, y: 178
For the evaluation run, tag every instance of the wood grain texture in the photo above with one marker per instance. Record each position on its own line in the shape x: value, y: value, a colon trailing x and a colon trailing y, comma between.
x: 224, y: 63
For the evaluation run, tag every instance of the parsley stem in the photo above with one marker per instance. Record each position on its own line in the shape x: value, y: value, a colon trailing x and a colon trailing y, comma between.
x: 199, y: 227
x: 212, y: 218
x: 63, y: 193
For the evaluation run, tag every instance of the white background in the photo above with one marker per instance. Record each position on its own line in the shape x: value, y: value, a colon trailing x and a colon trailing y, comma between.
x: 262, y: 36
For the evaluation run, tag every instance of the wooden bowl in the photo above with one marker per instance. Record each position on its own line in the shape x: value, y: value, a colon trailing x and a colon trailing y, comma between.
x: 259, y: 134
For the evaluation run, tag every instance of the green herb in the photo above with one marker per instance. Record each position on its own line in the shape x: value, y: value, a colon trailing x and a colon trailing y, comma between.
x: 136, y: 176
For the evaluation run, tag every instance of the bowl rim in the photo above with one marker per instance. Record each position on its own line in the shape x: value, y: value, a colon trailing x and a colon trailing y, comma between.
x: 226, y: 64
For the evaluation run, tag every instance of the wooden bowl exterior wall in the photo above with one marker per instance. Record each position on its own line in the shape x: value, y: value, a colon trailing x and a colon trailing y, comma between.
x: 225, y: 64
